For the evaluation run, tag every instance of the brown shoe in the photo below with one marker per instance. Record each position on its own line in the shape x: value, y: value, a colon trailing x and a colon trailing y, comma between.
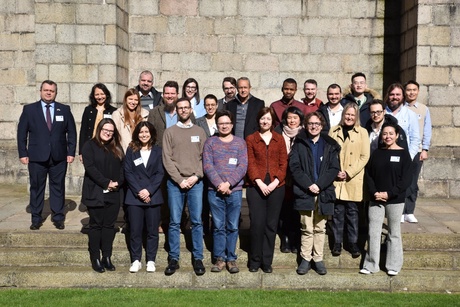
x: 218, y: 266
x: 232, y: 267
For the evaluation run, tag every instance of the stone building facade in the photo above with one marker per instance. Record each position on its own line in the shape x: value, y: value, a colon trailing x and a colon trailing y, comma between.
x: 80, y: 42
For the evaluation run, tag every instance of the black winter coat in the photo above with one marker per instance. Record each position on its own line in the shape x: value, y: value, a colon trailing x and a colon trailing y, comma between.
x: 301, y: 167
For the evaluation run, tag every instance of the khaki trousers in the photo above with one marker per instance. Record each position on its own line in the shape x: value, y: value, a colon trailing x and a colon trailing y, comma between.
x: 313, y: 233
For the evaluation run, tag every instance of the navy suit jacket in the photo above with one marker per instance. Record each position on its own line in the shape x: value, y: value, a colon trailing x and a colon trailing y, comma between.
x: 37, y: 142
x: 140, y: 177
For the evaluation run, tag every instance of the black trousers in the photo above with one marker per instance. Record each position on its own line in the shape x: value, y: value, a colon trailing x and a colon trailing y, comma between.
x: 264, y: 212
x: 412, y: 191
x: 38, y: 172
x: 345, y: 212
x: 101, y: 226
x: 140, y: 218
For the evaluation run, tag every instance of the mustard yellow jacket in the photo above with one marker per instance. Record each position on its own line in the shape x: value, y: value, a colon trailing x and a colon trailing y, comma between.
x: 354, y: 154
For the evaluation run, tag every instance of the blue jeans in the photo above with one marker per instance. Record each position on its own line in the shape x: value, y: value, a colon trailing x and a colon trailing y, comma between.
x: 225, y: 211
x: 176, y: 201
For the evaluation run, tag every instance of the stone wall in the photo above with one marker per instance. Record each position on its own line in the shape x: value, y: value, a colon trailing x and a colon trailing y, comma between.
x: 80, y: 42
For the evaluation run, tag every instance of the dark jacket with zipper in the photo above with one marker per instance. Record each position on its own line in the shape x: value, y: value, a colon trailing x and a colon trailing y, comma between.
x: 302, y: 170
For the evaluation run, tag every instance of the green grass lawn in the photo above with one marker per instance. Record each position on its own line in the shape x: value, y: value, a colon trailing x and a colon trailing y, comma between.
x: 178, y: 297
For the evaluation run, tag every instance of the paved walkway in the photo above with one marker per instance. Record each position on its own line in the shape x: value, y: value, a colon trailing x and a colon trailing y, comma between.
x: 434, y: 215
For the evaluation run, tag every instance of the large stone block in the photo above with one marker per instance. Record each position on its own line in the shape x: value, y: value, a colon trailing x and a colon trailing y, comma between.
x: 7, y: 94
x: 438, y: 169
x: 285, y: 8
x: 27, y: 41
x: 24, y: 59
x: 227, y: 62
x: 423, y: 55
x: 307, y: 63
x: 20, y: 23
x: 441, y: 116
x: 252, y: 44
x: 73, y: 73
x: 25, y: 7
x: 179, y: 7
x: 441, y: 15
x: 446, y: 136
x: 455, y: 73
x: 102, y: 54
x: 148, y: 24
x: 201, y: 44
x: 79, y: 93
x: 45, y: 33
x: 433, y: 75
x: 142, y: 7
x: 262, y: 26
x: 424, y: 14
x: 228, y: 26
x: 335, y: 44
x: 226, y: 44
x: 10, y: 41
x: 455, y: 116
x: 443, y: 95
x: 342, y: 10
x: 199, y: 26
x: 330, y: 63
x: 55, y: 13
x: 145, y: 61
x: 195, y: 61
x: 141, y: 42
x: 289, y: 44
x: 176, y: 25
x: 248, y: 8
x: 6, y: 59
x: 102, y: 14
x: 433, y: 36
x: 289, y: 26
x: 445, y: 56
x: 48, y: 54
x: 261, y: 63
x: 18, y: 75
x: 8, y: 130
x: 27, y: 94
x: 314, y: 26
x: 215, y: 8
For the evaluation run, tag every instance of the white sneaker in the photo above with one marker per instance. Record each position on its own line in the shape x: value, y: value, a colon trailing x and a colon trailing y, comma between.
x: 403, y: 218
x: 364, y: 271
x: 392, y: 273
x: 410, y: 218
x: 135, y: 266
x: 151, y: 266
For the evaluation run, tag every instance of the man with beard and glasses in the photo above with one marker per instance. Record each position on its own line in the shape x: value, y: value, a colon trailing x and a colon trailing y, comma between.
x: 164, y: 115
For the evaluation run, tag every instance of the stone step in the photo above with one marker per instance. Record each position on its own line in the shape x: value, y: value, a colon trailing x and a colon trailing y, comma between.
x: 335, y: 280
x: 57, y: 256
x: 436, y: 242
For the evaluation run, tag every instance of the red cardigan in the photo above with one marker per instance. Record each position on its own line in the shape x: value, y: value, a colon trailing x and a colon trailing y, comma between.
x: 263, y: 159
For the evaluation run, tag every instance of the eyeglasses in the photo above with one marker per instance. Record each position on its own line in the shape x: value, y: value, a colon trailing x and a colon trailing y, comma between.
x: 210, y: 105
x: 107, y: 131
x: 314, y: 124
x: 183, y: 108
x: 224, y: 124
x: 376, y: 113
x: 193, y: 88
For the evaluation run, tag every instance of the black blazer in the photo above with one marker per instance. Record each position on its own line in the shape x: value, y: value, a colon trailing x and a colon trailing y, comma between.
x: 139, y: 177
x: 87, y: 123
x: 37, y: 142
x: 254, y: 105
x: 101, y: 166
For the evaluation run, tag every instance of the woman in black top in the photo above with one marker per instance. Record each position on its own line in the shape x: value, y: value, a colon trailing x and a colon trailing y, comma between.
x: 388, y: 176
x: 103, y: 162
x: 100, y: 107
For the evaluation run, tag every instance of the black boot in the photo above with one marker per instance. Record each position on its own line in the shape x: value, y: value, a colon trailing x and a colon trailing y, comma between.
x: 97, y: 266
x: 285, y: 246
x: 107, y: 263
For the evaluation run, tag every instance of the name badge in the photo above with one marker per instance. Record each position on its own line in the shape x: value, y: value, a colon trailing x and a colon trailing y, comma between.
x: 107, y: 115
x: 59, y: 118
x: 232, y: 161
x: 394, y: 159
x: 151, y: 106
x: 138, y: 161
x: 195, y: 139
x: 105, y: 191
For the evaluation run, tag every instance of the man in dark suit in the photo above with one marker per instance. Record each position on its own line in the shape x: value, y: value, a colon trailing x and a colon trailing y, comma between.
x: 47, y: 140
x: 244, y: 109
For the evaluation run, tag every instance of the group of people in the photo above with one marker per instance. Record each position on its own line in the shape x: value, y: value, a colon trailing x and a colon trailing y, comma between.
x: 303, y: 163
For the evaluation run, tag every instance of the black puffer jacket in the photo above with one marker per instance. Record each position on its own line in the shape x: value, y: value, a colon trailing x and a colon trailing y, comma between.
x: 301, y: 167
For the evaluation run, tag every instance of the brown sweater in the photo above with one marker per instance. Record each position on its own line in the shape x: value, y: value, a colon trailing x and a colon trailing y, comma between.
x: 182, y: 152
x: 263, y: 159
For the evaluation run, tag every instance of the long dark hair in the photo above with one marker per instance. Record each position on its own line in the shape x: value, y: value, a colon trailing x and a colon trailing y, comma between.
x: 108, y: 96
x: 114, y: 144
x: 136, y: 144
x: 197, y: 94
